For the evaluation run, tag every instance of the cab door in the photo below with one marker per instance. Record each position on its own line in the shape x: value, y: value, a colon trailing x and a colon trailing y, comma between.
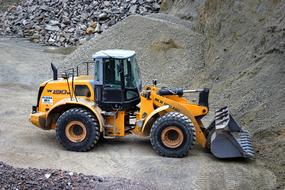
x: 112, y: 81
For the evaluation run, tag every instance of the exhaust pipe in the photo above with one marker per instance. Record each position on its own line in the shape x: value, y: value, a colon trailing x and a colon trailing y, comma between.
x: 54, y: 71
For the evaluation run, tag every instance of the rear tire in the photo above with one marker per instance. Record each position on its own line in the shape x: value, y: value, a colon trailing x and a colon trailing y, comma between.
x: 77, y: 130
x: 172, y: 135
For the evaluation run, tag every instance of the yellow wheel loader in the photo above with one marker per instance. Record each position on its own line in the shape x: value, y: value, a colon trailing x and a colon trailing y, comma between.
x: 107, y: 100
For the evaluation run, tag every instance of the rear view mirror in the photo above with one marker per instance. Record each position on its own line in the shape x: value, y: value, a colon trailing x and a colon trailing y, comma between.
x: 64, y: 75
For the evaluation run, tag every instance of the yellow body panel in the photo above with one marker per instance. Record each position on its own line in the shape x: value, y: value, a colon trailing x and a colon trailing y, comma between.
x: 45, y: 120
x: 156, y: 111
x: 38, y: 119
x: 57, y: 95
x: 57, y: 90
x: 146, y: 107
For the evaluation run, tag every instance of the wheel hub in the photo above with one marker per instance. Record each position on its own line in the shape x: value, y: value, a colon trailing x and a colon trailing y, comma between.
x: 75, y: 131
x: 172, y: 137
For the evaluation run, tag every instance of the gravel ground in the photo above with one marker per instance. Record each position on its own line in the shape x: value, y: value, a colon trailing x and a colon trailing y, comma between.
x: 31, y: 178
x: 243, y: 68
x: 23, y: 145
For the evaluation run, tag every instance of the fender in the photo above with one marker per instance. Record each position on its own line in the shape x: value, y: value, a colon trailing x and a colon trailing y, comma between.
x: 83, y: 102
x: 157, y: 110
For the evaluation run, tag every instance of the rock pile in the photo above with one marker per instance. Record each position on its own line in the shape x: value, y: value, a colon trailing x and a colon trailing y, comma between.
x: 69, y: 22
x: 31, y: 178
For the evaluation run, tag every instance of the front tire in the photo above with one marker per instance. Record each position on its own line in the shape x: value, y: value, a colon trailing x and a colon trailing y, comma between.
x: 172, y: 135
x: 77, y: 130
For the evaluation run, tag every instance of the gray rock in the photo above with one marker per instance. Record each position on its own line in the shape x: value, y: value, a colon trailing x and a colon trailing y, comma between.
x: 44, y: 8
x: 24, y: 22
x: 54, y: 22
x: 103, y: 16
x: 65, y: 19
x: 156, y: 6
x: 51, y: 40
x: 71, y: 30
x: 133, y: 9
x: 107, y: 3
x: 19, y: 8
x: 82, y: 27
x: 36, y: 36
x: 38, y: 28
x: 32, y: 8
x: 62, y: 39
x: 98, y: 28
x: 49, y: 17
x: 52, y: 28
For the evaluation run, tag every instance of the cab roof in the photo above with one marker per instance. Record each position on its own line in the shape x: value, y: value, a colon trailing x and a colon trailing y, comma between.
x: 114, y: 53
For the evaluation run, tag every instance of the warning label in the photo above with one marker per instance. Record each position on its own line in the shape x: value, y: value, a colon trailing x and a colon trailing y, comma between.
x: 47, y: 100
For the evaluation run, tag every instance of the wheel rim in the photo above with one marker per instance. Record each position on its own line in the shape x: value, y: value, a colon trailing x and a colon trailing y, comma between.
x: 172, y: 137
x: 75, y: 131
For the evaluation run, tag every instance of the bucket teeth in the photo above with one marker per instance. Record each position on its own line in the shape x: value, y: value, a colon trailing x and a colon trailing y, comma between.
x: 222, y: 113
x: 222, y: 118
x: 247, y: 148
x: 221, y: 110
x: 245, y: 142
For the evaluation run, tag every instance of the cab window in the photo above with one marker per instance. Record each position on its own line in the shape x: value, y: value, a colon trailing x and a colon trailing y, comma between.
x: 82, y: 90
x: 112, y: 70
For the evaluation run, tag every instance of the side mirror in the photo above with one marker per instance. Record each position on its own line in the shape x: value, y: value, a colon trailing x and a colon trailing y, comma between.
x: 64, y: 75
x: 154, y: 82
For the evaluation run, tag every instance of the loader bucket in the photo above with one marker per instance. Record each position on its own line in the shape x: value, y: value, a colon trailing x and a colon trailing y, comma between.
x: 229, y: 140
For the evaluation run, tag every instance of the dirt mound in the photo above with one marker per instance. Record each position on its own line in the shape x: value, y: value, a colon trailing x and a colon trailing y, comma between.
x: 166, y: 51
x: 244, y: 66
x: 31, y: 178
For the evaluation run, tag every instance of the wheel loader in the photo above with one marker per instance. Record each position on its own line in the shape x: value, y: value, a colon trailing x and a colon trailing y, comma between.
x: 107, y: 100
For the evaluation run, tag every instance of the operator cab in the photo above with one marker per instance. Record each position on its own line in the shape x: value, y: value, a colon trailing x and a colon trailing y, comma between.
x: 117, y: 80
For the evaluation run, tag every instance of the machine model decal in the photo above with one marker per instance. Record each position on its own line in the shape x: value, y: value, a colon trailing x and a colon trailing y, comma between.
x: 163, y: 103
x: 58, y: 91
x: 47, y: 100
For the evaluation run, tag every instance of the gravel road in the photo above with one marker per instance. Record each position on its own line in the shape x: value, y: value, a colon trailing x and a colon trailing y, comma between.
x: 24, y: 66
